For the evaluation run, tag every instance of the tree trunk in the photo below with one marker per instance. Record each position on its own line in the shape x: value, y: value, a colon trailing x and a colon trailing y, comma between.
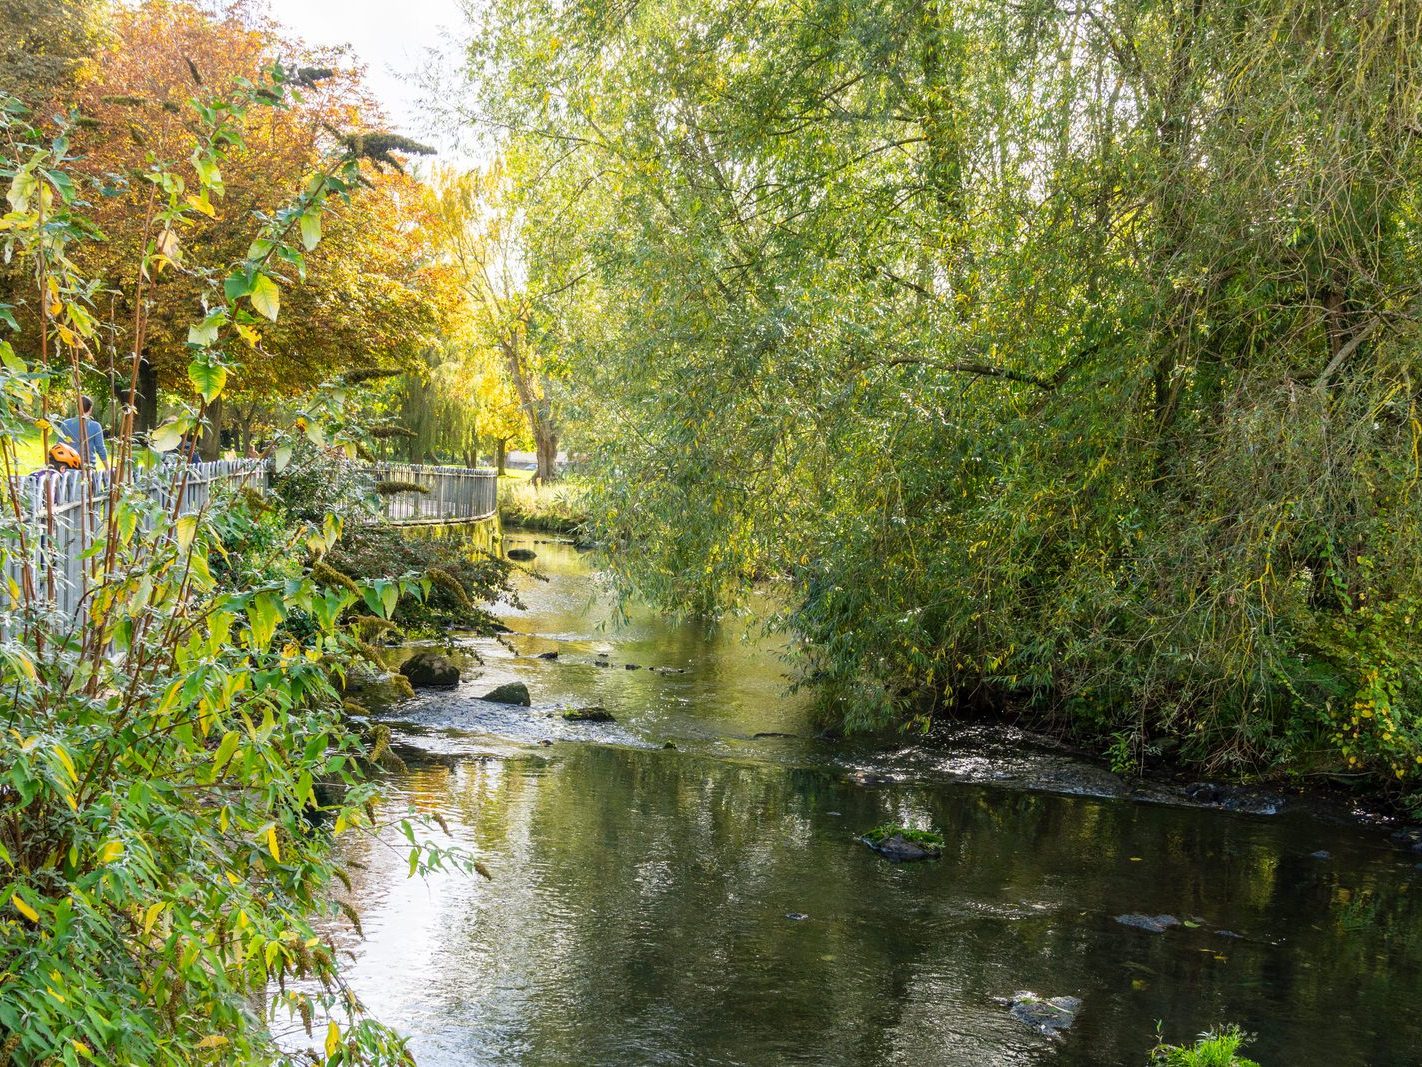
x: 211, y: 447
x: 547, y: 444
x: 501, y: 453
x: 146, y: 402
x: 537, y: 408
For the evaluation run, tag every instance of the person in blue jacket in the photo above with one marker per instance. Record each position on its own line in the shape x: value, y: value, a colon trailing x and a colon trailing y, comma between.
x: 85, y: 434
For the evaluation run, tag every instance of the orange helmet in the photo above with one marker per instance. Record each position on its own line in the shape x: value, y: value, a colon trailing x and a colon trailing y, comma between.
x: 63, y: 457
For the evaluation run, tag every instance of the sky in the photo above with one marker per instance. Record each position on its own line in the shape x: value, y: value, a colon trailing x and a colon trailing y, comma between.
x: 391, y: 37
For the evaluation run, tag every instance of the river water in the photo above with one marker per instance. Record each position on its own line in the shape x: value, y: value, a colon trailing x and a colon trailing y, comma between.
x: 710, y: 904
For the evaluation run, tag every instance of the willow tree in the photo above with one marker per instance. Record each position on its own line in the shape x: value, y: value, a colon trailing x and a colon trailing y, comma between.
x: 1064, y: 355
x: 481, y: 227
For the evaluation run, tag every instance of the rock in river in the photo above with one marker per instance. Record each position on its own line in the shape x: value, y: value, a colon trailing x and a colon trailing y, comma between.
x: 430, y: 670
x: 523, y: 555
x: 547, y: 655
x: 1046, y: 1015
x: 1155, y: 924
x: 509, y: 693
x: 903, y: 845
x: 596, y: 713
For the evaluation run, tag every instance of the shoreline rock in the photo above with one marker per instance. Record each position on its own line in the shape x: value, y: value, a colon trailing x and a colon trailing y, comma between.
x: 430, y: 670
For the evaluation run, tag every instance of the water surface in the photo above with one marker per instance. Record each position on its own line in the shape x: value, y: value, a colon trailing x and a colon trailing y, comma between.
x: 710, y: 904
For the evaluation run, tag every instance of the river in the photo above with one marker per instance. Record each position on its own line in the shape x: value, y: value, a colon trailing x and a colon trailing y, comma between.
x: 710, y: 903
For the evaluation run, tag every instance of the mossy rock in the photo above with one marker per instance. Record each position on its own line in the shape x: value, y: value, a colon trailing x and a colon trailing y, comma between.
x: 509, y: 693
x: 903, y: 844
x: 596, y: 713
x: 430, y: 670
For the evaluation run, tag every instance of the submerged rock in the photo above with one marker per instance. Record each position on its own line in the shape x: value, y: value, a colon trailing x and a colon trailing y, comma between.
x: 1409, y: 838
x: 594, y: 713
x: 522, y: 555
x: 1321, y: 854
x: 1154, y: 924
x: 903, y: 845
x: 1233, y: 798
x: 430, y: 670
x: 796, y: 916
x: 1046, y: 1015
x: 631, y: 667
x: 547, y: 655
x: 509, y: 693
x: 769, y: 733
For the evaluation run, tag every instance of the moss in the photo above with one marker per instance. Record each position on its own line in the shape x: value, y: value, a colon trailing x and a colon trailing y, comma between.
x: 393, y: 488
x: 923, y: 838
x: 446, y: 581
x: 326, y: 574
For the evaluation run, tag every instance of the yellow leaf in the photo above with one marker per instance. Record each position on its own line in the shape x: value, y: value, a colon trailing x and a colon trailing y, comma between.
x: 273, y: 846
x: 68, y: 763
x: 186, y: 531
x: 111, y: 851
x: 212, y: 1041
x: 333, y: 1038
x: 151, y: 915
x: 24, y: 909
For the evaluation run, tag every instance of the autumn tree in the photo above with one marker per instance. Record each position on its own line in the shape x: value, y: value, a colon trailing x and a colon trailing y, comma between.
x: 369, y: 294
x: 45, y: 44
x: 481, y: 230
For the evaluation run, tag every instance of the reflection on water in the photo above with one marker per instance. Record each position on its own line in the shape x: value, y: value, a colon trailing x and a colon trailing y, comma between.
x: 639, y: 912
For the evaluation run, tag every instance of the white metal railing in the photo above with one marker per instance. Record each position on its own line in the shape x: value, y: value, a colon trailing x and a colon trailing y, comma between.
x: 64, y: 516
x: 451, y: 494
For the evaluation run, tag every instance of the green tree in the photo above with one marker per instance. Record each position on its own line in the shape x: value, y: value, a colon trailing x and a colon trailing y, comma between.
x: 1061, y: 356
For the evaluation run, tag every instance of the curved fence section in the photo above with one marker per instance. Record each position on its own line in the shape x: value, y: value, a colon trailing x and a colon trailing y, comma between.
x: 50, y: 549
x: 414, y: 494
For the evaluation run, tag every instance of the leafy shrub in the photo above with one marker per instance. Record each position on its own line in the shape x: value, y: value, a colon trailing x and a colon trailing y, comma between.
x: 559, y: 507
x: 1215, y: 1048
x: 169, y: 747
x: 316, y: 482
x: 459, y: 576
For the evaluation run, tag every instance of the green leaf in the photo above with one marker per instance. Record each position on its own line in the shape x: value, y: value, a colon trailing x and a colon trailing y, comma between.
x: 263, y: 614
x: 206, y: 331
x: 169, y: 435
x: 208, y: 378
x: 281, y: 457
x: 311, y: 229
x: 237, y: 285
x: 224, y: 752
x: 266, y: 297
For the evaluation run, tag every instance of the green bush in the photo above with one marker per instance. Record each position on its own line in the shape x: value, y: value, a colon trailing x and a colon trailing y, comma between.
x: 166, y: 897
x: 1216, y: 1048
x: 460, y: 577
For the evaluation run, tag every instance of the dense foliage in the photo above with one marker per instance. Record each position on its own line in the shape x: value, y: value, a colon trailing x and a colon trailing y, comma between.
x: 1062, y: 354
x: 174, y: 764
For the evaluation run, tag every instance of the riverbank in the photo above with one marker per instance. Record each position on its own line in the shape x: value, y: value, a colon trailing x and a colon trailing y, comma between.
x: 555, y: 508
